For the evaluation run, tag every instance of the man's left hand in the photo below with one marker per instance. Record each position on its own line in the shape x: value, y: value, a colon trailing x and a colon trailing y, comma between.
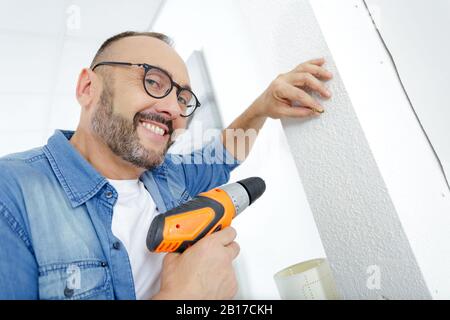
x: 289, y: 95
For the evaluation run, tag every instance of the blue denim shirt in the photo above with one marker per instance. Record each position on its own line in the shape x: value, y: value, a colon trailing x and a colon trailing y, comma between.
x: 56, y: 213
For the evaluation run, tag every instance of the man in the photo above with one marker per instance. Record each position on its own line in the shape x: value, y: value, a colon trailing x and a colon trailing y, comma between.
x: 74, y: 214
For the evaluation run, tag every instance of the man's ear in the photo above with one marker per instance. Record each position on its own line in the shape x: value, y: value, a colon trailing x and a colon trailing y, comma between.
x: 87, y: 87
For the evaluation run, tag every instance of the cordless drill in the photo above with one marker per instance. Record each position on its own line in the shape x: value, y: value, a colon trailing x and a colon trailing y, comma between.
x: 211, y: 211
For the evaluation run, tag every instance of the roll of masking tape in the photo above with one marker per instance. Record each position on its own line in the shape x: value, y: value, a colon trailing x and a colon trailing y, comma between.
x: 309, y: 280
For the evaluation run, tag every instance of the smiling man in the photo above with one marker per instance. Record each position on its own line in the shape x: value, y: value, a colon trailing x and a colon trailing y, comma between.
x: 74, y: 214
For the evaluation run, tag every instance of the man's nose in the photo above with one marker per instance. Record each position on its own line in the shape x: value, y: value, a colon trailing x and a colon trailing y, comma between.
x: 169, y: 105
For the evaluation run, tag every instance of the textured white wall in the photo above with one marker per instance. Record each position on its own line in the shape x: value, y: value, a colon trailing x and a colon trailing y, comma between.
x: 408, y: 166
x: 356, y: 218
x: 372, y: 182
x: 278, y: 230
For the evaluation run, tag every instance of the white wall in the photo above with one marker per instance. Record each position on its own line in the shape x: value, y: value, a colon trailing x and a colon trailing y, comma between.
x: 408, y: 166
x: 262, y: 40
x: 413, y: 35
x: 278, y: 230
x: 358, y: 223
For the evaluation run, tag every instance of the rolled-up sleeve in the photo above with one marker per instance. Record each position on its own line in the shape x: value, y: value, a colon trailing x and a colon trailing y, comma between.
x: 207, y: 167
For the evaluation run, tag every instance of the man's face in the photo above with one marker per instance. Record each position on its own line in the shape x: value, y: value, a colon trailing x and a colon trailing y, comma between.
x: 136, y: 126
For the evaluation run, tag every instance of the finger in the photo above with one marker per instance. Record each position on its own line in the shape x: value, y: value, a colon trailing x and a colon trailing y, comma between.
x: 295, y: 96
x: 225, y: 236
x: 297, y: 112
x: 234, y: 249
x: 317, y: 61
x: 307, y: 79
x: 316, y: 71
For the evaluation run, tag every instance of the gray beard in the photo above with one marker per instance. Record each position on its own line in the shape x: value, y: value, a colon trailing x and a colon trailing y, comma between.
x: 120, y: 135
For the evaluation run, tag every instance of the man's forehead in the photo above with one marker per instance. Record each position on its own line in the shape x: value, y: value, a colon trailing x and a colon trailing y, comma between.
x: 144, y: 49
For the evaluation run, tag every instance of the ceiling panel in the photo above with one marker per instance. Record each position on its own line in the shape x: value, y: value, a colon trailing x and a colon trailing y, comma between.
x: 102, y: 18
x: 26, y: 63
x: 34, y: 17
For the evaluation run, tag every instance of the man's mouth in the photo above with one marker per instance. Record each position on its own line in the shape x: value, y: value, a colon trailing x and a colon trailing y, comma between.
x: 154, y: 127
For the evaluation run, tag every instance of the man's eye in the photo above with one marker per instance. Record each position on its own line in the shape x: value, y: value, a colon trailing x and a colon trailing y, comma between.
x: 182, y: 101
x: 153, y: 83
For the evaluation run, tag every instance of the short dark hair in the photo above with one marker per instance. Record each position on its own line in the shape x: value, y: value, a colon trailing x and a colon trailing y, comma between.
x: 127, y: 34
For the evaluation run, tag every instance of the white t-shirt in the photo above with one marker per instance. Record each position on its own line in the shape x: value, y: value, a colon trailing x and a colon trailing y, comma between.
x: 132, y: 216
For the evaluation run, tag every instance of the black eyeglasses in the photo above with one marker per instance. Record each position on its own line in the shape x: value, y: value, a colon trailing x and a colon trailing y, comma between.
x: 158, y: 84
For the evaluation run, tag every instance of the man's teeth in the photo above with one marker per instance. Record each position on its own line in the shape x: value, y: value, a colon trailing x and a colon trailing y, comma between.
x: 153, y: 128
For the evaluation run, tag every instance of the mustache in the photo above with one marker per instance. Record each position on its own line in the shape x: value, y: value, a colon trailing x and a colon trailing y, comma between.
x: 153, y: 117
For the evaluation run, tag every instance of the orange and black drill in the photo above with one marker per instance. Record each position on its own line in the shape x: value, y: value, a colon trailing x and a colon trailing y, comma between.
x: 211, y: 211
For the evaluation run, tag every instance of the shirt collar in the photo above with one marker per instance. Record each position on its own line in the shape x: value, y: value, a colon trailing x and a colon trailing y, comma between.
x: 76, y: 175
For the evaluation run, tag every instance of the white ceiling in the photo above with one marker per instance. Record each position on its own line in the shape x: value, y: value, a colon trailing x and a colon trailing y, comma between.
x: 44, y: 45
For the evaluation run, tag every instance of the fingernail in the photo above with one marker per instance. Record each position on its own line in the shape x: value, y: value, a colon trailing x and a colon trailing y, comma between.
x: 319, y: 110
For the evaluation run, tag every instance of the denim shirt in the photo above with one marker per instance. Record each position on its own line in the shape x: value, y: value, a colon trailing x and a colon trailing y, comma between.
x: 56, y: 214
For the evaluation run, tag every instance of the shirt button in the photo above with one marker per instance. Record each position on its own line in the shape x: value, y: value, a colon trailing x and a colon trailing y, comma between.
x: 108, y: 194
x: 103, y: 264
x: 116, y: 245
x: 68, y: 292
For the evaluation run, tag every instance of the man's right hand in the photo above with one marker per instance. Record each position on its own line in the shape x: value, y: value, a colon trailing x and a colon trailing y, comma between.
x: 204, y: 271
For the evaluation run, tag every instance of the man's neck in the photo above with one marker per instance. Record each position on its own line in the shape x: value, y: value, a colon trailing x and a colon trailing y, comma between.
x: 100, y: 156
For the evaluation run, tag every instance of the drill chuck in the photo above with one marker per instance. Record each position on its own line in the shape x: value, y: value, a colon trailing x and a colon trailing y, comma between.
x: 244, y: 192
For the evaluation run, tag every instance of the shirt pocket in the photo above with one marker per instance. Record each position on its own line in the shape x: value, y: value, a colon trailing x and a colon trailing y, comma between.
x: 88, y: 279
